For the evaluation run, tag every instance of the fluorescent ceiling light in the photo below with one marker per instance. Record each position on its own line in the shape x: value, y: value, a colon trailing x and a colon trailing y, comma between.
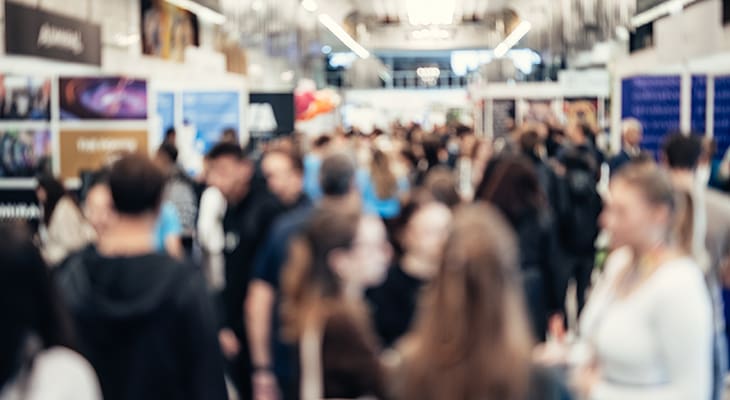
x: 200, y: 10
x: 343, y: 36
x: 309, y: 5
x: 430, y: 12
x: 663, y: 9
x: 518, y: 33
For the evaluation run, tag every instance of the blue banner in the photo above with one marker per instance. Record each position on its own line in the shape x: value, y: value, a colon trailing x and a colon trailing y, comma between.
x: 655, y: 101
x: 722, y: 114
x: 699, y: 104
x: 211, y: 113
x: 166, y: 111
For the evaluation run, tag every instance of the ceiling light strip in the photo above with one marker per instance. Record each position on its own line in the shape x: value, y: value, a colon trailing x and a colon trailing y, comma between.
x: 512, y: 39
x: 343, y: 36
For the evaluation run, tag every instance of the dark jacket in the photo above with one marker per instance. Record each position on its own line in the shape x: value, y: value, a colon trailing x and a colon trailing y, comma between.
x: 540, y: 266
x: 579, y: 225
x: 145, y: 324
x: 394, y: 304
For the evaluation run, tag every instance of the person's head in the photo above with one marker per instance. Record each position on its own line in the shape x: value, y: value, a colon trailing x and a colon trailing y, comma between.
x: 170, y: 136
x: 384, y: 180
x: 321, y: 144
x: 338, y: 255
x: 284, y: 173
x: 471, y: 338
x: 166, y: 157
x: 32, y: 316
x: 99, y: 206
x: 433, y: 150
x: 229, y: 135
x: 337, y: 175
x: 682, y: 152
x: 49, y: 191
x: 644, y: 210
x: 422, y: 227
x: 136, y: 186
x: 530, y: 143
x: 510, y: 183
x: 632, y: 132
x: 441, y: 183
x: 229, y: 170
x: 576, y: 134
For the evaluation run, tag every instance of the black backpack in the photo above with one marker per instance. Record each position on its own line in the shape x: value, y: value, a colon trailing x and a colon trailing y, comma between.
x: 579, y: 222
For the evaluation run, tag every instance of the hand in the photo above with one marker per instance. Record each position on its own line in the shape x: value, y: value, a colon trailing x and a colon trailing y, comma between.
x: 584, y: 380
x: 264, y: 386
x: 229, y: 343
x: 556, y: 327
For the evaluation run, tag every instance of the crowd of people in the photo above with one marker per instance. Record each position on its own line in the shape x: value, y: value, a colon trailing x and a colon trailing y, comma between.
x: 406, y: 264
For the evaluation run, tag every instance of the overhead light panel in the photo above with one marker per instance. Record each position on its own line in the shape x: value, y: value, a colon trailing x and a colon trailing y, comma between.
x: 309, y: 5
x: 343, y: 36
x: 512, y: 39
x: 431, y: 12
x: 201, y: 11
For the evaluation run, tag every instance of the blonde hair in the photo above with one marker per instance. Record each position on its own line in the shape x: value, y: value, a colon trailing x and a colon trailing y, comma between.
x: 657, y: 189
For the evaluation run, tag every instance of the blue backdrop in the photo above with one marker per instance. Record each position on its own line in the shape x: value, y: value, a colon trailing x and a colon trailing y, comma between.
x: 655, y: 101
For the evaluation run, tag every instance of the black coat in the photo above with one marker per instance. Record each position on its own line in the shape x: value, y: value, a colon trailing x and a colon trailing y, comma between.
x: 145, y: 324
x: 540, y: 265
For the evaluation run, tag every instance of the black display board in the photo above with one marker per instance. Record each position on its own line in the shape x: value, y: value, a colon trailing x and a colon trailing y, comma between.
x: 283, y: 106
x: 32, y: 32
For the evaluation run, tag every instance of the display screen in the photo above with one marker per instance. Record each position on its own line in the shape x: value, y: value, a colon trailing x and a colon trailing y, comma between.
x: 103, y: 98
x: 24, y: 98
x: 24, y: 153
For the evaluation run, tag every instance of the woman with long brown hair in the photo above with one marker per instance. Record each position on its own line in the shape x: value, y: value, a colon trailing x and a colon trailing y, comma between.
x: 338, y: 256
x: 419, y: 235
x: 381, y: 189
x: 646, y: 332
x: 471, y: 339
x: 510, y: 183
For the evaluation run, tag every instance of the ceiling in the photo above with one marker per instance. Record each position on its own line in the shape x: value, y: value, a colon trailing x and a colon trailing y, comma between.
x: 559, y: 27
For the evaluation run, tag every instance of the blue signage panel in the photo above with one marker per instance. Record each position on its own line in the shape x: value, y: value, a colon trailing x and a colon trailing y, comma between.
x: 655, y: 101
x: 722, y: 114
x: 166, y: 111
x: 699, y: 104
x: 211, y: 113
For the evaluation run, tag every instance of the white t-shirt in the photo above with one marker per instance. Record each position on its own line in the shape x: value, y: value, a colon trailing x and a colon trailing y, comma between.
x: 655, y: 343
x: 58, y: 374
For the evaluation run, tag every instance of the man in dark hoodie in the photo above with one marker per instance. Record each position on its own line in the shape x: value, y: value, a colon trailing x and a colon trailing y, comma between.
x: 143, y: 320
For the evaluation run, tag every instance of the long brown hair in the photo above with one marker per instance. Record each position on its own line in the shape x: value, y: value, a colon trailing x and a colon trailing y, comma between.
x: 309, y: 284
x: 386, y: 184
x: 471, y: 338
x: 656, y: 186
x: 510, y: 183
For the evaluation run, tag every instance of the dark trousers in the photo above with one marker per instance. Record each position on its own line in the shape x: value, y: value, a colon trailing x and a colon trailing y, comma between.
x: 532, y: 282
x: 238, y: 371
x: 578, y: 267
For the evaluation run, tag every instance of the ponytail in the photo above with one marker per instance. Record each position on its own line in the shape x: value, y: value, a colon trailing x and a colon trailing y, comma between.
x: 683, y: 227
x: 296, y: 289
x: 386, y: 184
x: 309, y: 285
